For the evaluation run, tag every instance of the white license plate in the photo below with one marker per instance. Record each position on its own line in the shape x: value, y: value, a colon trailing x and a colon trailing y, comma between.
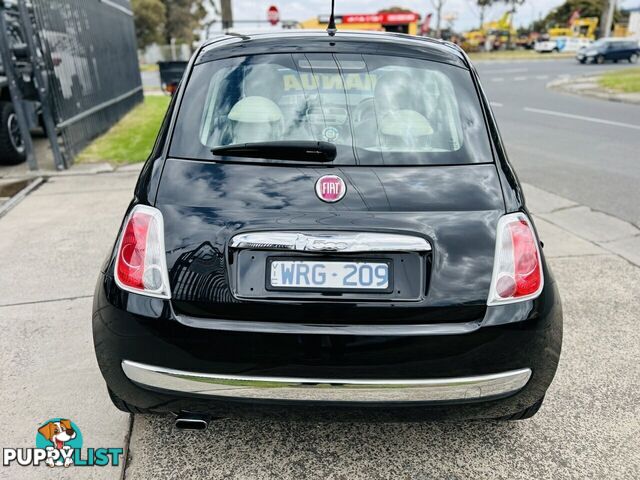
x: 329, y: 275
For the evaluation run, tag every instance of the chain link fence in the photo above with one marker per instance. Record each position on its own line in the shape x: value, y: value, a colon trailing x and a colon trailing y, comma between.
x: 91, y: 51
x: 72, y: 62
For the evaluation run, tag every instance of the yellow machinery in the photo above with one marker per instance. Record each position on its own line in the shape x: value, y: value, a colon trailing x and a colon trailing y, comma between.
x: 497, y: 32
x: 580, y: 28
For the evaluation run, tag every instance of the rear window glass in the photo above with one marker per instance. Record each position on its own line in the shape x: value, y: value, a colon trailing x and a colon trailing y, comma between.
x: 377, y: 110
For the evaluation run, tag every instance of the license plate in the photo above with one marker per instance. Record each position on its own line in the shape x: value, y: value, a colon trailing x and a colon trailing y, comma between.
x: 329, y: 275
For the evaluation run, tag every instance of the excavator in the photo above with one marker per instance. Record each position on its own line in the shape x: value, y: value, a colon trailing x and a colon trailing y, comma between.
x: 492, y: 36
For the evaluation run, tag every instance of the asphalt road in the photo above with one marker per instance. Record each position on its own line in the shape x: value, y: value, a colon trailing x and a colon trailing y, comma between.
x: 585, y: 149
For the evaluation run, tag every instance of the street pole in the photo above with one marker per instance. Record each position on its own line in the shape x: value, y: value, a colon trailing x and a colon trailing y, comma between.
x: 610, y: 14
x: 227, y: 14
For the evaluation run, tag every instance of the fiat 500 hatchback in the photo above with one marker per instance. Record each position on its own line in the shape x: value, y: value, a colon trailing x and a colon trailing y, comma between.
x: 328, y: 227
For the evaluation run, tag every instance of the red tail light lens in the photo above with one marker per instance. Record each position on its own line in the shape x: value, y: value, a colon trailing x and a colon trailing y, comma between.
x: 517, y: 269
x: 141, y: 265
x: 171, y: 88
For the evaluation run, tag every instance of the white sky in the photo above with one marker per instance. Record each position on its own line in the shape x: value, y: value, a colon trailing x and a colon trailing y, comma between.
x: 466, y: 10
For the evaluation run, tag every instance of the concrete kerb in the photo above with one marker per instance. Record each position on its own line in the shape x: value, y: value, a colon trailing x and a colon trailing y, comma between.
x: 600, y: 229
x: 588, y: 85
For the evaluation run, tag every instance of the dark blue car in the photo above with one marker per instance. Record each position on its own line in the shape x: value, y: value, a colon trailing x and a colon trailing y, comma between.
x: 609, y: 50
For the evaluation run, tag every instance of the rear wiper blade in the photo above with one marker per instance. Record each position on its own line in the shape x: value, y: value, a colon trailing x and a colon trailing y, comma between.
x: 295, y: 150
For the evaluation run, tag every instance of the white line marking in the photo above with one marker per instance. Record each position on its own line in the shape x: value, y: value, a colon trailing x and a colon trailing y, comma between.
x: 499, y: 79
x: 496, y: 104
x: 519, y: 79
x: 542, y: 77
x: 580, y: 117
x: 509, y: 70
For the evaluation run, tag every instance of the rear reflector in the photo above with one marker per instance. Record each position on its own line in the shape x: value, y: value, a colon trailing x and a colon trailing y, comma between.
x: 517, y: 267
x: 141, y: 265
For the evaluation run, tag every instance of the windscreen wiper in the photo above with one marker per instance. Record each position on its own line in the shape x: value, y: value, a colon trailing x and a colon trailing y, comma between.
x: 301, y: 151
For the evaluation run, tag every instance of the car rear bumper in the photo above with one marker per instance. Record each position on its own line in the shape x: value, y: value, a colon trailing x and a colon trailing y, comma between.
x: 327, y: 390
x: 153, y: 361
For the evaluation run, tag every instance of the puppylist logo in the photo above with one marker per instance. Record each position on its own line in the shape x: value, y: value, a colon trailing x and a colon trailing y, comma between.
x: 59, y: 444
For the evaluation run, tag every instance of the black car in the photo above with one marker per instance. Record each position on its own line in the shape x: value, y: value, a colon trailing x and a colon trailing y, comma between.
x: 609, y: 50
x: 328, y: 227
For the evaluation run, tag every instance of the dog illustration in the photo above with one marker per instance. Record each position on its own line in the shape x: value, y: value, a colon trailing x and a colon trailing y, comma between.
x: 58, y: 433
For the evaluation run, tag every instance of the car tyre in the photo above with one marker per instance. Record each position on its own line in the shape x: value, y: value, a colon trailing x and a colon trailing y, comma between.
x: 633, y: 58
x: 524, y: 414
x: 583, y: 61
x: 12, y: 151
x: 600, y: 59
x: 126, y: 407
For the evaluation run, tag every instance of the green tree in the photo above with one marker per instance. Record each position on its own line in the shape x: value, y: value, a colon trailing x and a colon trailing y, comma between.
x: 482, y: 5
x: 560, y: 15
x: 182, y: 19
x: 149, y: 18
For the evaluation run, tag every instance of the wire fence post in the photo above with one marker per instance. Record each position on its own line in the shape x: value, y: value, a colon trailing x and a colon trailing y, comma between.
x: 41, y: 86
x: 14, y: 91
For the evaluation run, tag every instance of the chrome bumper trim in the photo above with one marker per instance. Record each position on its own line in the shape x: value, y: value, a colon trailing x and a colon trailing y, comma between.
x: 328, y: 329
x: 327, y: 390
x: 340, y: 242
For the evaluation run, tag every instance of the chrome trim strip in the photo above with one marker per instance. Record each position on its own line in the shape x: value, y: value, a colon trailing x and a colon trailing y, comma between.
x: 327, y: 390
x: 328, y: 329
x: 331, y: 242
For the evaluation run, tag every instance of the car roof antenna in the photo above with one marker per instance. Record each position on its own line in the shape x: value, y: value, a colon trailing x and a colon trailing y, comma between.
x: 331, y: 29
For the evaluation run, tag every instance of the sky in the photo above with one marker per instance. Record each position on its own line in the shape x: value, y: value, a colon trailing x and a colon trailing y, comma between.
x: 466, y: 10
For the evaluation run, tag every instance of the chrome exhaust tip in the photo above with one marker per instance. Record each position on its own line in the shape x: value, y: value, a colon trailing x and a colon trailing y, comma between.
x: 191, y: 421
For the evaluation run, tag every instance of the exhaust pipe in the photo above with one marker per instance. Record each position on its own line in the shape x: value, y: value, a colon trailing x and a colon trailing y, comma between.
x: 191, y: 421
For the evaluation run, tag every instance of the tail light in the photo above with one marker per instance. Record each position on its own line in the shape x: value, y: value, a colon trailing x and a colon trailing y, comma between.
x: 517, y: 267
x: 141, y: 265
x: 171, y: 88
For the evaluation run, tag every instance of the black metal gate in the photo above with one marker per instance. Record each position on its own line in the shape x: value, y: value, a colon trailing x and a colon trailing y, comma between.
x: 87, y: 56
x: 90, y: 47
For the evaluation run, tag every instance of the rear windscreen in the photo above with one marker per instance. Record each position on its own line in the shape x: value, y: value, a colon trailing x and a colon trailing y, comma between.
x: 377, y: 110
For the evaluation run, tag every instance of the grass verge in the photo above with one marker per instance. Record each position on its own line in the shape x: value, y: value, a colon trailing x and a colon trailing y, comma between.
x: 131, y: 139
x: 148, y: 67
x: 626, y: 81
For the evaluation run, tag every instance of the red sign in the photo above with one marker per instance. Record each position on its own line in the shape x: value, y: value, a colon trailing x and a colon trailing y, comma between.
x: 390, y: 18
x: 273, y: 15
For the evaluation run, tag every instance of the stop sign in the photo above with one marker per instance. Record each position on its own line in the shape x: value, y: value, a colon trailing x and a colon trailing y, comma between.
x: 273, y: 15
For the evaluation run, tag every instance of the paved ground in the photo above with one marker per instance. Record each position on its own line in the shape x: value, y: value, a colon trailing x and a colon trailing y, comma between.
x: 585, y: 149
x: 51, y: 246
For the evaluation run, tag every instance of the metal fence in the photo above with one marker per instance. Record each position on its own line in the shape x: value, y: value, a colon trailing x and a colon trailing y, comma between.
x: 89, y: 50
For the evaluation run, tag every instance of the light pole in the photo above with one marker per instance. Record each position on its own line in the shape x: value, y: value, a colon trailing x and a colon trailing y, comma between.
x: 610, y: 13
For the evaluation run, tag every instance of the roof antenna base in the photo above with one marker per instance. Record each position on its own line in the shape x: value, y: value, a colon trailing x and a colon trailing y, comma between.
x: 331, y: 29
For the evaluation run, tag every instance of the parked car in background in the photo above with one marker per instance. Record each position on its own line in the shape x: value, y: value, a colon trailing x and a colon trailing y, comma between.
x: 544, y: 44
x: 610, y: 50
x: 561, y: 44
x: 12, y: 149
x: 171, y: 73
